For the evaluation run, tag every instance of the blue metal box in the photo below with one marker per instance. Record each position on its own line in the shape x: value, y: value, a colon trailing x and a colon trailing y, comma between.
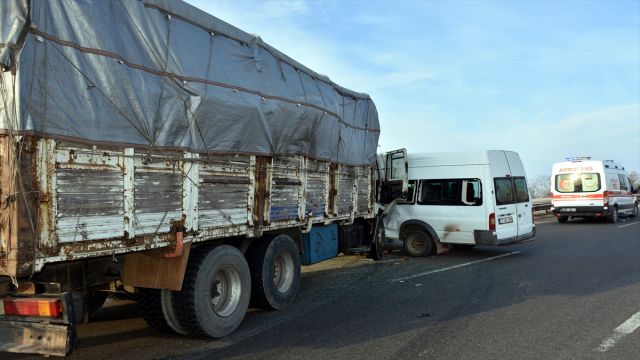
x: 321, y: 243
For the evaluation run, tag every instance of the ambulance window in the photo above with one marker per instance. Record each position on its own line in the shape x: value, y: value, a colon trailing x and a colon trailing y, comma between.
x: 522, y: 193
x: 577, y: 182
x: 504, y: 191
x: 623, y: 182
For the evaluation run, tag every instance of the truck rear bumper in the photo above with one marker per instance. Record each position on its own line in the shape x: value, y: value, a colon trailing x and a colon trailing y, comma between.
x: 35, y: 338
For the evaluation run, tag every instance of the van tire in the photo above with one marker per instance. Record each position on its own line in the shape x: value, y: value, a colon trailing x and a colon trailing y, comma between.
x: 613, y: 218
x: 563, y: 219
x: 416, y: 242
x: 275, y: 272
x: 215, y: 292
x: 634, y: 212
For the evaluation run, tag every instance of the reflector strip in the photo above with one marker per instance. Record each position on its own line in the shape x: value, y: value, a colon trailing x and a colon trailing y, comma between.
x: 31, y: 307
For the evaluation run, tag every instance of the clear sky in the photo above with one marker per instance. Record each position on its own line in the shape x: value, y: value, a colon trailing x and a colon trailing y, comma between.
x: 548, y: 79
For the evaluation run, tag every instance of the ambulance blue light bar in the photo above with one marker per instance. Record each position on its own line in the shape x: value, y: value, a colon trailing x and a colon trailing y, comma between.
x: 578, y: 158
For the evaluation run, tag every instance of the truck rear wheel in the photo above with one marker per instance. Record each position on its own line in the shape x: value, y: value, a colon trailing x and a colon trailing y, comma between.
x: 275, y: 272
x: 215, y: 292
x: 150, y: 305
x: 158, y: 311
x: 418, y: 243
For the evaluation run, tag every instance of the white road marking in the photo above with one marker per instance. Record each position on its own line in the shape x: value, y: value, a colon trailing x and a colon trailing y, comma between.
x: 626, y: 328
x: 402, y: 279
x: 633, y: 223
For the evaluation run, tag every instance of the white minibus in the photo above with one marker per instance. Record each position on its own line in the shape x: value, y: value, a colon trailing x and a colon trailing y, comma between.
x: 466, y: 198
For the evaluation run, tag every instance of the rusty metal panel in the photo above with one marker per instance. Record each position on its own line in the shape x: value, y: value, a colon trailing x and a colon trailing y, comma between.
x: 90, y: 204
x: 223, y: 200
x: 364, y: 201
x: 35, y: 338
x: 157, y: 196
x: 317, y: 188
x: 346, y: 183
x: 89, y: 189
x: 124, y: 200
x: 18, y: 200
x: 286, y: 188
x: 224, y: 185
x: 8, y: 207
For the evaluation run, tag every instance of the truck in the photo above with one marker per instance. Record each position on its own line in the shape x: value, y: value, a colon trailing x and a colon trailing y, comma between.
x: 152, y: 145
x: 462, y: 199
x: 582, y: 187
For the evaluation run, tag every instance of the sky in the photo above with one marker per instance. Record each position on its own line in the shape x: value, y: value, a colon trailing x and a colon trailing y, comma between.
x: 548, y: 79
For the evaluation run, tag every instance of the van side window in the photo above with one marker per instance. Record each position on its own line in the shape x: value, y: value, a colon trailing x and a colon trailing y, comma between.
x: 471, y: 192
x: 504, y: 191
x: 456, y: 192
x: 522, y: 193
x: 623, y: 182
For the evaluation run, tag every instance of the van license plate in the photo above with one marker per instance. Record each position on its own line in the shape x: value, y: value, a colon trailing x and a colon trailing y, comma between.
x: 505, y: 220
x: 568, y: 209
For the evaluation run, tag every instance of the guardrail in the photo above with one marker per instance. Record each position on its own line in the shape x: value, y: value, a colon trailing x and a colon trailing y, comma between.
x: 544, y: 204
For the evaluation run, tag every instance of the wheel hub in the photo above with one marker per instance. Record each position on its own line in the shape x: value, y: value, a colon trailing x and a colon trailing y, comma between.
x: 225, y: 291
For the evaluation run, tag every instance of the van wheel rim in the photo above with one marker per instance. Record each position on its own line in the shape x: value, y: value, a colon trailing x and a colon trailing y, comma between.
x: 226, y: 289
x: 417, y: 244
x: 283, y: 272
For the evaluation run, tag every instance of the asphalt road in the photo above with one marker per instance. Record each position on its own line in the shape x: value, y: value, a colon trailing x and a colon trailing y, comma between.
x: 573, y: 293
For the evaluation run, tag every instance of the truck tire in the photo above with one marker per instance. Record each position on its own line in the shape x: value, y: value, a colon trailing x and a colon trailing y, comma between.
x: 150, y: 305
x: 377, y: 243
x: 215, y: 292
x: 416, y: 242
x: 169, y: 312
x: 275, y: 272
x: 613, y: 218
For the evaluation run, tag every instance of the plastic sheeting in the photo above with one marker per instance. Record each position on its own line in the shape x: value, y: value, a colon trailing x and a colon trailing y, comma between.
x: 163, y: 74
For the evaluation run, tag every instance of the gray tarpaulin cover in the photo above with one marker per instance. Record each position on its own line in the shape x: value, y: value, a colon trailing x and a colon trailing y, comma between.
x: 163, y: 74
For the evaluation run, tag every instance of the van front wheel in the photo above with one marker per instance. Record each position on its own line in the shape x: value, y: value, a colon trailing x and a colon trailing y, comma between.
x: 563, y: 219
x: 634, y: 213
x: 418, y: 243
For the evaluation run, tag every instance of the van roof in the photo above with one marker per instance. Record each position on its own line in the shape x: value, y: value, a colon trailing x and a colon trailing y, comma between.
x: 480, y: 157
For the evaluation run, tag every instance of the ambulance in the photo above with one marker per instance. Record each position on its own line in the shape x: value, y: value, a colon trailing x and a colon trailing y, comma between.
x: 585, y: 188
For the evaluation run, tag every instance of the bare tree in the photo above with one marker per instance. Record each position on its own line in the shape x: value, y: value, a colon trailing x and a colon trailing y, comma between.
x: 634, y: 176
x: 540, y: 186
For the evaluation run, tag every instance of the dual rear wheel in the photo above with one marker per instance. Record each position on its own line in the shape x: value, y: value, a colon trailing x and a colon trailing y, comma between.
x: 219, y: 284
